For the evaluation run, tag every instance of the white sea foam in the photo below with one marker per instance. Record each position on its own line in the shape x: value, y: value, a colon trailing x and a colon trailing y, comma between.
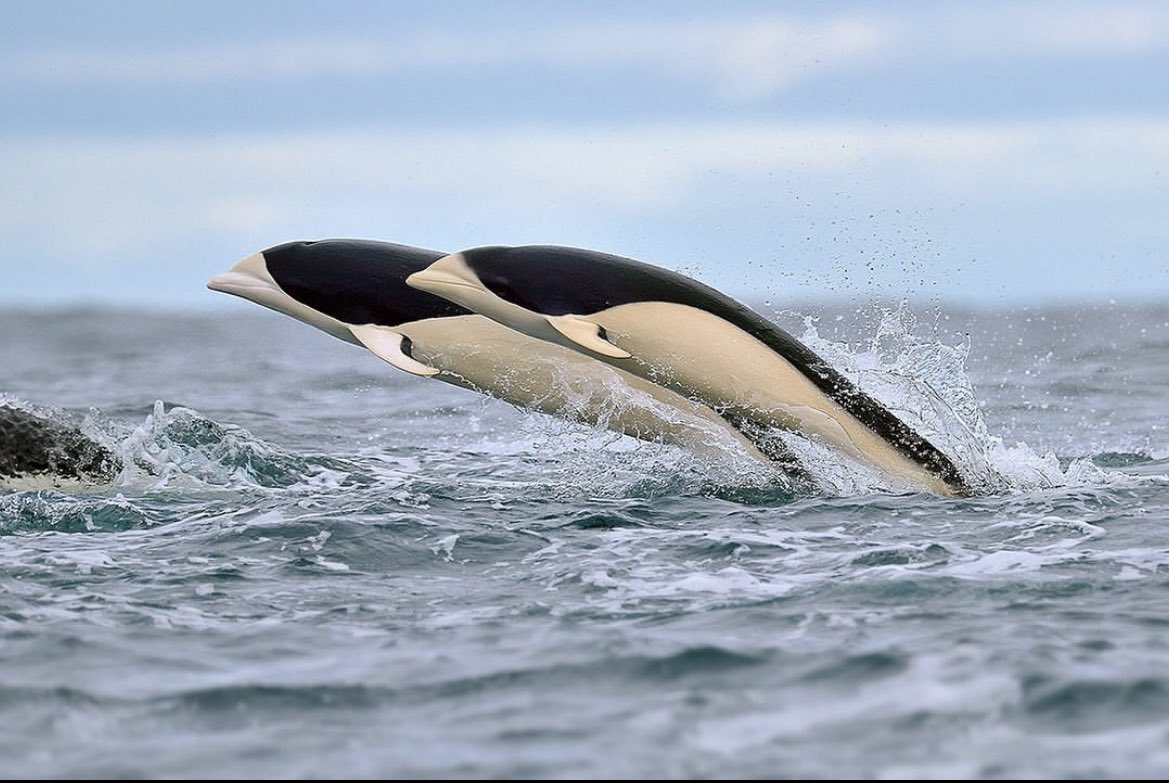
x: 925, y: 382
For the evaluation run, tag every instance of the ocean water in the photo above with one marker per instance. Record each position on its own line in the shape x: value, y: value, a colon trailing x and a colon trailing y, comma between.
x: 311, y: 565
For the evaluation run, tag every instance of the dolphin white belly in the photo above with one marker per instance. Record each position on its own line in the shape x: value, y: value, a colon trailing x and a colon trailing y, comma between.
x: 679, y: 334
x: 694, y: 352
x: 477, y: 353
x: 355, y: 290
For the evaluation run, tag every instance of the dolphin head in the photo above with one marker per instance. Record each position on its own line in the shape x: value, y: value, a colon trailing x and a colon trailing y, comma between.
x: 516, y: 286
x: 481, y: 280
x: 554, y: 280
x: 353, y: 289
x: 534, y: 290
x: 455, y: 279
x: 334, y: 284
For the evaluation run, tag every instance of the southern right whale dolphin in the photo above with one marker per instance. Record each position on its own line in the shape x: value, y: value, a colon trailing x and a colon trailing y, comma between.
x: 356, y: 290
x: 688, y: 337
x: 38, y: 446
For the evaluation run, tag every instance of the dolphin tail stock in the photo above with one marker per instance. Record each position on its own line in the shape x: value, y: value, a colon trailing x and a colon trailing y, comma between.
x: 891, y: 428
x: 778, y: 453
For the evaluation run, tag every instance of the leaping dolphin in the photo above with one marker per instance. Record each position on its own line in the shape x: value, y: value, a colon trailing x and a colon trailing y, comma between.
x: 685, y: 336
x: 355, y: 290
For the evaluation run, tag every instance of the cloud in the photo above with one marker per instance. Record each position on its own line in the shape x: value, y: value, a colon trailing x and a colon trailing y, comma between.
x: 99, y: 197
x: 743, y: 55
x: 1096, y: 29
x: 739, y: 57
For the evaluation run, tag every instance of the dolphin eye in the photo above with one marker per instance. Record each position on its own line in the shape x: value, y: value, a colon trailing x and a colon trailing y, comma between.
x: 500, y: 286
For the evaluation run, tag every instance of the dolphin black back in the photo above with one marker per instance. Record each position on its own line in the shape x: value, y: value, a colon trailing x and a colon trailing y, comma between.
x: 358, y: 281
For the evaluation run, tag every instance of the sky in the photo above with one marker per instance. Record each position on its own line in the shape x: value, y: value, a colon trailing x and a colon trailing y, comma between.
x: 982, y: 153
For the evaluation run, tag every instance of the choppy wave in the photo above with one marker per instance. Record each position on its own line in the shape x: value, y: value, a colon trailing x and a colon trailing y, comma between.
x: 313, y: 568
x: 925, y: 381
x: 177, y: 452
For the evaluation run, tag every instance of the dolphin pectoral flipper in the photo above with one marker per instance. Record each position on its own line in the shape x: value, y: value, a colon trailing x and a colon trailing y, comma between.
x: 391, y: 346
x: 586, y: 334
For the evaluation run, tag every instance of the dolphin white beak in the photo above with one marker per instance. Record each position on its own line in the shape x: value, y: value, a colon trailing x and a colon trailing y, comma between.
x: 249, y: 279
x: 445, y: 277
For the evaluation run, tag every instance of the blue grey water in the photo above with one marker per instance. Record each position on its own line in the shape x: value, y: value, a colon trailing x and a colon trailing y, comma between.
x: 312, y: 565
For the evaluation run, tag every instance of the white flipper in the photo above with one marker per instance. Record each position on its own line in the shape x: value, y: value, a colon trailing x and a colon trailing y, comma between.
x: 585, y: 334
x: 386, y: 344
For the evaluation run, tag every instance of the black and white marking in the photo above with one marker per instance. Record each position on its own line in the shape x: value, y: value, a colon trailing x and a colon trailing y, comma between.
x: 688, y: 337
x: 356, y: 290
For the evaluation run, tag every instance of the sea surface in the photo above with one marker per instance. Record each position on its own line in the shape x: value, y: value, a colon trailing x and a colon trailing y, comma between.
x: 313, y: 566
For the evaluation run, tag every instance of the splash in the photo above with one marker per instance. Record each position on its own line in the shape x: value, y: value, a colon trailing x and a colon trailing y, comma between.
x: 546, y: 458
x: 926, y: 383
x: 181, y: 447
x: 176, y: 447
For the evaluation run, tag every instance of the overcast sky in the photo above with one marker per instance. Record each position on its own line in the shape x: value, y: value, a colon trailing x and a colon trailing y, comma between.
x: 990, y: 152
